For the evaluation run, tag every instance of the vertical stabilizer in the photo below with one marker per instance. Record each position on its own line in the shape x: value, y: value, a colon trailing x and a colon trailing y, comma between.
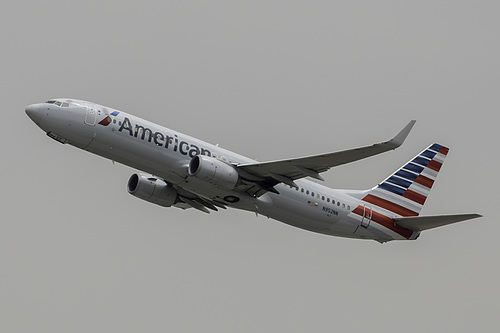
x: 404, y: 192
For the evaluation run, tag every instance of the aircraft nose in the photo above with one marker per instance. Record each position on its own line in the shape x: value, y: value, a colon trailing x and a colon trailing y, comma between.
x: 34, y: 111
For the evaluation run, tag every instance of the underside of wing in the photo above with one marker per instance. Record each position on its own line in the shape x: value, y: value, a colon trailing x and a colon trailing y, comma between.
x: 265, y: 175
x: 188, y: 199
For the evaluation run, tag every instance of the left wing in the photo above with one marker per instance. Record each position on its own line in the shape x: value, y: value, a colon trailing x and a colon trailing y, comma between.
x: 267, y: 174
x: 187, y: 199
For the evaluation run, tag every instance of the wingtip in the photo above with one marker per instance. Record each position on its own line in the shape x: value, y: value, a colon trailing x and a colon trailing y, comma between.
x: 402, y: 135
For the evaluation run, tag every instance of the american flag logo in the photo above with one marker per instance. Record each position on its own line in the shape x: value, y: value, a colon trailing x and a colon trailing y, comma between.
x: 106, y: 121
x: 310, y: 203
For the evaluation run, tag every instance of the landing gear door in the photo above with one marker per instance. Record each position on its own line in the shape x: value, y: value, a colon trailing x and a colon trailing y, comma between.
x: 367, y: 217
x: 91, y: 115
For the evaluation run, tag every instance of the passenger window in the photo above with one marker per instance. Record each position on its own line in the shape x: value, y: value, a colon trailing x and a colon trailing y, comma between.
x: 302, y: 190
x: 312, y: 194
x: 348, y: 207
x: 307, y: 192
x: 343, y: 205
x: 327, y: 199
x: 338, y: 203
x: 323, y: 198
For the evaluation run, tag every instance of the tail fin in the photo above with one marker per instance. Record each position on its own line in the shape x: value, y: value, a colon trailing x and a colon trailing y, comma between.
x: 405, y: 191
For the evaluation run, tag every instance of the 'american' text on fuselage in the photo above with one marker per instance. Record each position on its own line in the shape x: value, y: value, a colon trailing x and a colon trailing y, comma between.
x: 163, y: 140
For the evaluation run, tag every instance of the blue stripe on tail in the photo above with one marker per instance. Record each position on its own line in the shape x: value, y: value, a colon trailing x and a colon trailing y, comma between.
x: 392, y: 188
x: 429, y: 154
x: 406, y: 175
x: 413, y: 167
x: 399, y: 181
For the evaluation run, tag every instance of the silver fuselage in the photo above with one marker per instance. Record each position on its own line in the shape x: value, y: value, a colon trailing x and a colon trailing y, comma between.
x: 166, y: 153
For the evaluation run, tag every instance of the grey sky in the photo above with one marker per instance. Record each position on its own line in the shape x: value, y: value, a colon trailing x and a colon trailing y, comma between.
x: 268, y: 79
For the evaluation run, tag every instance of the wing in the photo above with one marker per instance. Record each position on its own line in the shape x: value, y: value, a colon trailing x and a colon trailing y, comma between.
x: 263, y: 176
x: 187, y: 199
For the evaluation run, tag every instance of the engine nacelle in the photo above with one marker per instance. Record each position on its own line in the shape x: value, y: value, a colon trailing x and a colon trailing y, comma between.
x: 213, y: 171
x: 152, y: 190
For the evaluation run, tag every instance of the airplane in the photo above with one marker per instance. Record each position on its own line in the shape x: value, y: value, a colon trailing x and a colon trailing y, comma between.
x: 184, y: 172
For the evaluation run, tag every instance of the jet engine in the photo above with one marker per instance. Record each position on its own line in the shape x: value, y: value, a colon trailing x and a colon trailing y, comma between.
x: 213, y: 171
x: 151, y: 189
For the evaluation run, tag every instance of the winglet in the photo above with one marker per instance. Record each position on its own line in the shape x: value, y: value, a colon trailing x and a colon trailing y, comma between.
x: 401, y: 136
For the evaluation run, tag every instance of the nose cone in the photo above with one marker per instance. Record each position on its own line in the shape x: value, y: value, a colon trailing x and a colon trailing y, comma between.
x: 34, y: 111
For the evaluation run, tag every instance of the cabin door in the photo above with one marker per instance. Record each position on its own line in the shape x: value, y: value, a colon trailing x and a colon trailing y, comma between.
x: 91, y: 116
x: 367, y: 217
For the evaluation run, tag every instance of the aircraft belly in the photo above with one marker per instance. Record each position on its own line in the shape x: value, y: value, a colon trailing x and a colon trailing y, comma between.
x: 232, y: 198
x: 317, y: 218
x: 301, y: 215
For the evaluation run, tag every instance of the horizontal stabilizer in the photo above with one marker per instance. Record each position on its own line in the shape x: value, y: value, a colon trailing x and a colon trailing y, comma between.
x: 420, y: 223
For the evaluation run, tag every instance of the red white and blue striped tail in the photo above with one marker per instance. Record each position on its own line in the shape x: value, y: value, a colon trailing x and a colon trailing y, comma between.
x: 404, y: 192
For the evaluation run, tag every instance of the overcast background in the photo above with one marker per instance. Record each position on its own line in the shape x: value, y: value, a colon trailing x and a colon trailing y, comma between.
x: 268, y: 79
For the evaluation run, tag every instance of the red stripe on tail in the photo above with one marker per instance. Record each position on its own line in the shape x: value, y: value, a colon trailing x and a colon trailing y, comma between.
x: 434, y: 165
x: 422, y: 180
x: 414, y: 196
x: 444, y: 150
x: 386, y: 204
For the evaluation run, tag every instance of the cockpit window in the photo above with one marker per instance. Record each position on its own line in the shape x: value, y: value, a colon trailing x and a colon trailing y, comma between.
x: 58, y: 103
